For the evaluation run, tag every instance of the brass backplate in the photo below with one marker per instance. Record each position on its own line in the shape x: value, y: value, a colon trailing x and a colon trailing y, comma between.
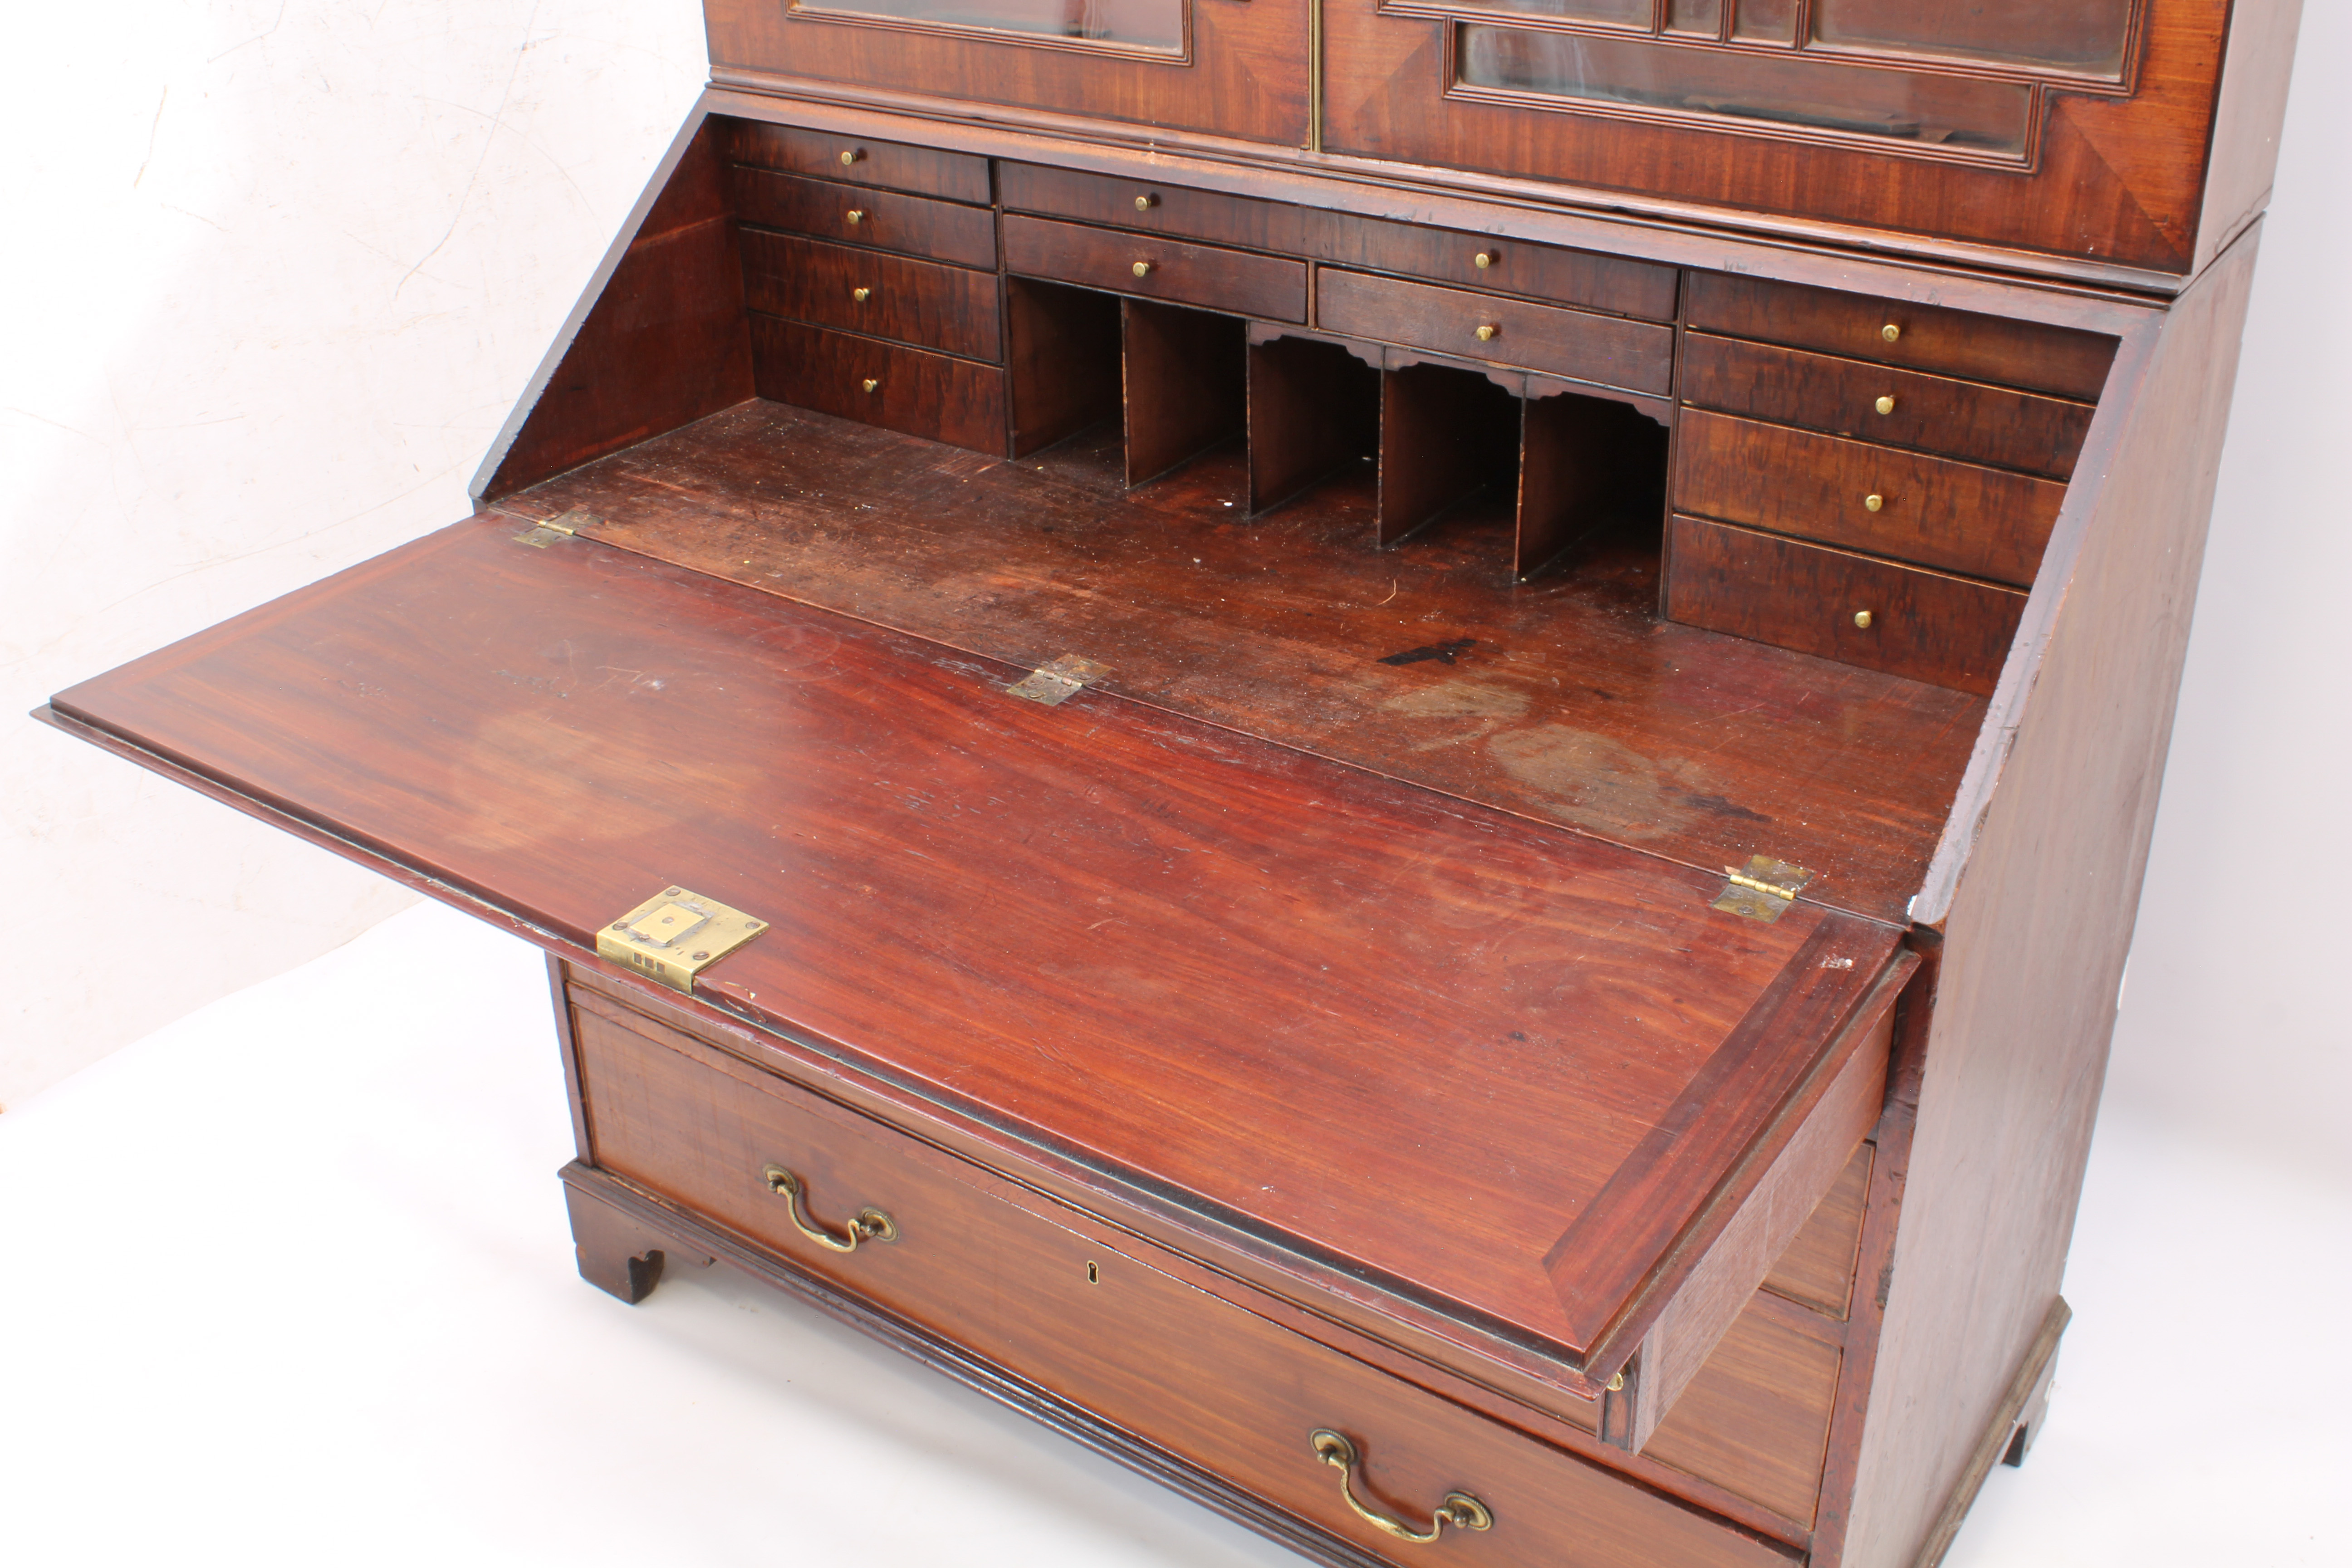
x: 1762, y: 889
x: 675, y: 935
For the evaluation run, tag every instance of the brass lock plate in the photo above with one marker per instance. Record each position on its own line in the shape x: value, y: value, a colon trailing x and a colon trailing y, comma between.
x: 675, y: 935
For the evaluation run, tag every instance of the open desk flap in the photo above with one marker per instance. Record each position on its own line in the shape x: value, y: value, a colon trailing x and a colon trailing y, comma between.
x: 1513, y: 1089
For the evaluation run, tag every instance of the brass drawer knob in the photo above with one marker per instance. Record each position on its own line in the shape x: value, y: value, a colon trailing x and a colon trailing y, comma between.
x: 1874, y: 503
x: 852, y: 156
x: 1459, y: 1510
x: 1890, y: 331
x: 873, y: 385
x: 871, y: 1223
x: 1887, y: 405
x: 1486, y: 330
x: 1143, y: 269
x: 857, y: 214
x: 1483, y: 260
x: 861, y: 295
x: 1146, y: 202
x: 1863, y: 618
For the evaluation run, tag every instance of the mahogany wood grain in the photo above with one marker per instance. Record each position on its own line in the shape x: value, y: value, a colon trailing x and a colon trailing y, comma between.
x: 858, y: 160
x: 2116, y: 178
x: 1588, y: 280
x: 1065, y: 361
x: 885, y: 220
x: 950, y: 308
x: 1817, y: 1270
x: 1184, y: 383
x: 1445, y: 436
x: 1933, y: 511
x: 914, y: 390
x: 1176, y: 210
x: 1937, y: 414
x: 664, y: 343
x: 2035, y: 941
x: 2061, y: 360
x: 1573, y: 343
x: 1237, y: 282
x: 1314, y: 410
x: 1702, y: 747
x: 1750, y: 1220
x: 915, y: 776
x: 1243, y: 75
x: 1756, y: 1419
x: 1923, y: 624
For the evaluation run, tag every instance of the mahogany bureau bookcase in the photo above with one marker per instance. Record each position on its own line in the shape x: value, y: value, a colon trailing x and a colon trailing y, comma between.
x: 1393, y: 752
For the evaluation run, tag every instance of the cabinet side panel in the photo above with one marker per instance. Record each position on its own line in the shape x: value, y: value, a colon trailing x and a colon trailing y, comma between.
x: 2039, y: 928
x: 661, y: 341
x: 2253, y: 109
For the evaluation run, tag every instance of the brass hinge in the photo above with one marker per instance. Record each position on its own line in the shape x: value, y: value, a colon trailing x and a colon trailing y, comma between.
x: 675, y: 935
x: 1054, y: 683
x: 1762, y: 889
x: 539, y: 536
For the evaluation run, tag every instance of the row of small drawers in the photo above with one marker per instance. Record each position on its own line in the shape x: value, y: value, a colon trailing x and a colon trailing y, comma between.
x: 1096, y: 1316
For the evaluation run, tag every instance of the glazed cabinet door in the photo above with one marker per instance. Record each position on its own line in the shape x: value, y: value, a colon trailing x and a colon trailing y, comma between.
x: 2077, y: 129
x: 1228, y: 67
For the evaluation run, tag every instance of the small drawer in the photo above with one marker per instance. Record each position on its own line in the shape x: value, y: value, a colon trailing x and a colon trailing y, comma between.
x: 1266, y: 287
x: 1923, y: 625
x: 1176, y: 210
x: 892, y: 165
x: 1578, y: 278
x: 2062, y: 360
x: 855, y: 214
x: 951, y: 309
x: 1574, y: 343
x: 1957, y: 516
x: 875, y: 383
x: 1879, y: 403
x: 1218, y: 1386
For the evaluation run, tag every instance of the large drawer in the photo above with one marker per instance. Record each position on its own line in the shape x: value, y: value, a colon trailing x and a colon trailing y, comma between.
x: 923, y: 393
x: 950, y: 308
x: 1197, y: 1376
x: 1269, y: 288
x: 1939, y: 414
x: 1958, y: 517
x: 1948, y: 631
x: 1581, y: 277
x: 2069, y: 363
x: 853, y: 215
x: 1607, y: 350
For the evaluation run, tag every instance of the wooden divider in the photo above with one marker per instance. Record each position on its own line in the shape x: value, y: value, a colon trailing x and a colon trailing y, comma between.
x: 1445, y: 435
x: 1184, y: 380
x: 1314, y: 412
x: 1063, y: 355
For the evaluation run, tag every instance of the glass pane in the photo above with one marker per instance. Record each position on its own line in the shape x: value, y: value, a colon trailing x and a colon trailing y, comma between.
x: 1790, y: 89
x: 1633, y: 13
x: 1143, y: 24
x: 2079, y: 36
x: 1701, y: 16
x: 1767, y: 21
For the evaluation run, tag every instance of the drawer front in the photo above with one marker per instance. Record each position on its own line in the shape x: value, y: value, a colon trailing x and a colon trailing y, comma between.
x: 1878, y: 403
x: 857, y: 215
x: 951, y: 309
x: 892, y: 165
x: 1573, y: 343
x: 1267, y: 287
x: 1926, y: 337
x: 1957, y: 516
x: 1231, y: 1392
x: 1923, y: 625
x: 1578, y: 278
x: 1176, y: 210
x: 914, y: 390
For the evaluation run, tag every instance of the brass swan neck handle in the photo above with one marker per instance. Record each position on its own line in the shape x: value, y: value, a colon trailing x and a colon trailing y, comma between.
x: 870, y: 1224
x: 1459, y: 1510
